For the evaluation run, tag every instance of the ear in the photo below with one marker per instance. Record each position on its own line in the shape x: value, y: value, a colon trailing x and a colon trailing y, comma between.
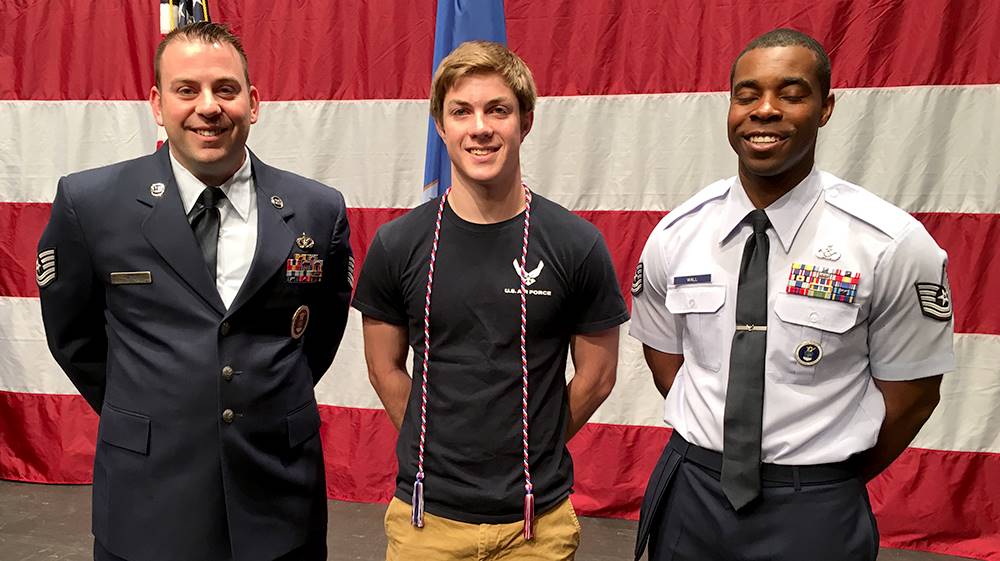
x: 254, y: 104
x: 527, y: 120
x: 827, y: 109
x: 439, y: 128
x: 154, y: 103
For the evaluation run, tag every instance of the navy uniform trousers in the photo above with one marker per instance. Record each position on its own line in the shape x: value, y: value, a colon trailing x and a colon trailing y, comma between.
x: 315, y: 550
x: 804, y: 513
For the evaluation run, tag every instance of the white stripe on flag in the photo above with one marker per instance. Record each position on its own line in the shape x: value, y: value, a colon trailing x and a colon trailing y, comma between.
x: 957, y: 424
x: 637, y: 152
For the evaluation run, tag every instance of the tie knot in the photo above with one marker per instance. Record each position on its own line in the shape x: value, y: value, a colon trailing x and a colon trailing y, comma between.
x: 210, y: 197
x: 758, y: 219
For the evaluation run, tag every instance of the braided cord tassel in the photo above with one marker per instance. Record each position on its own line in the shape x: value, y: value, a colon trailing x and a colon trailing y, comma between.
x: 417, y: 517
x: 529, y: 497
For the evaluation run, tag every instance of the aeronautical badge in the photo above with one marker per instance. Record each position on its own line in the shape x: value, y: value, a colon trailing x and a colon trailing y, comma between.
x: 304, y: 241
x: 823, y: 283
x: 45, y: 267
x: 304, y: 268
x: 300, y: 320
x: 935, y: 302
x: 350, y: 271
x: 637, y: 280
x: 808, y: 353
x: 828, y: 252
x: 157, y: 189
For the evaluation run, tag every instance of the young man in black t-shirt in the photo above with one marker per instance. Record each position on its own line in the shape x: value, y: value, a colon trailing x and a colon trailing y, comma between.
x: 490, y: 285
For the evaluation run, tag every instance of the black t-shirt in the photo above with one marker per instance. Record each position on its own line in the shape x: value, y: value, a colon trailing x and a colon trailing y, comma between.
x: 472, y: 459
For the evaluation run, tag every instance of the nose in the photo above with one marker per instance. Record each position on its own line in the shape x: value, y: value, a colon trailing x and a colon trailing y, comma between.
x: 481, y: 127
x: 766, y: 109
x: 208, y: 105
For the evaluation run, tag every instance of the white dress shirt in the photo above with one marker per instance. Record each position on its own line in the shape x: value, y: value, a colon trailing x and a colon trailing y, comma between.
x: 237, y: 224
x: 814, y: 411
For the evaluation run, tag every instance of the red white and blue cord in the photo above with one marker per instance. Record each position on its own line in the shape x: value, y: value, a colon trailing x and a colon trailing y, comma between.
x: 418, y: 486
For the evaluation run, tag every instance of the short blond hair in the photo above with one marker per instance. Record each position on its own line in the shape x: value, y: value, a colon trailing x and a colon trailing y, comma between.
x: 478, y: 58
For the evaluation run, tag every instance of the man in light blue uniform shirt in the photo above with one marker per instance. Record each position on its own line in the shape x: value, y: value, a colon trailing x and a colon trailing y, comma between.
x: 798, y: 327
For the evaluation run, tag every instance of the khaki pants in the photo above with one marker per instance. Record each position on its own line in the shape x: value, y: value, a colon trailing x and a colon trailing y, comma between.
x: 557, y: 535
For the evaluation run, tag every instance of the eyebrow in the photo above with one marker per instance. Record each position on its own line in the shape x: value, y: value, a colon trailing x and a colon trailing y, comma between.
x: 182, y: 80
x: 785, y: 82
x: 493, y: 101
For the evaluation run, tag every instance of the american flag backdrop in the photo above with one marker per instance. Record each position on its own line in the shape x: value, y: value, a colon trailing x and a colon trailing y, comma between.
x: 631, y: 122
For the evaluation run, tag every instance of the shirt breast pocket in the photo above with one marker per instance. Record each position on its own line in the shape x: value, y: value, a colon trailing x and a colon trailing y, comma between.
x: 699, y: 306
x: 812, y: 340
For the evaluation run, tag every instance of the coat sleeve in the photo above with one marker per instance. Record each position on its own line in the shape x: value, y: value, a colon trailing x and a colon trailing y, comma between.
x: 325, y: 335
x: 72, y: 299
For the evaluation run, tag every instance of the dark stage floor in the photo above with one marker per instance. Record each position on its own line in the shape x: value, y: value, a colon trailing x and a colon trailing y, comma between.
x: 52, y: 523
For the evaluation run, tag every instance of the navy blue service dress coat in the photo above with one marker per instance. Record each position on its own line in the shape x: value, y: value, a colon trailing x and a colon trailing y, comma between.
x: 209, y: 430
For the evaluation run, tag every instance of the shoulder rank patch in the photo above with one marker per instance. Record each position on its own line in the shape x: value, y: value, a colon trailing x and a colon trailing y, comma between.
x: 935, y: 302
x: 823, y: 283
x: 637, y: 280
x: 304, y: 268
x: 45, y: 267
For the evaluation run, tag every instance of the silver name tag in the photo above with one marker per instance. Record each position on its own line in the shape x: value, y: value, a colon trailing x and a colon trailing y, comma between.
x: 132, y: 277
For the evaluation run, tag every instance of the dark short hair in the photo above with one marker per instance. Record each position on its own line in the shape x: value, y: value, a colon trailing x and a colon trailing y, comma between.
x: 205, y: 32
x: 791, y: 38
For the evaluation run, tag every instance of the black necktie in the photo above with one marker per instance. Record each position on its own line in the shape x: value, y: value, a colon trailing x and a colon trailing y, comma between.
x: 745, y: 393
x: 204, y: 218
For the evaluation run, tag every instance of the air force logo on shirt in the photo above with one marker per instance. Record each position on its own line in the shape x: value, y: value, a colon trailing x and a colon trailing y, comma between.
x: 529, y: 277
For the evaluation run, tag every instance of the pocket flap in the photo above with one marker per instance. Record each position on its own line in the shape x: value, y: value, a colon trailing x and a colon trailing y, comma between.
x: 302, y: 424
x: 125, y: 430
x: 699, y: 299
x: 828, y: 315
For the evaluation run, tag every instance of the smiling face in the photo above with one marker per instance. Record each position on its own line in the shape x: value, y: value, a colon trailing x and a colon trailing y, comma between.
x: 775, y: 112
x: 206, y: 106
x: 482, y: 127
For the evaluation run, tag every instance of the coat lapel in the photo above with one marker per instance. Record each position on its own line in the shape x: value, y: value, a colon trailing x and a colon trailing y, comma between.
x: 167, y: 230
x: 274, y: 237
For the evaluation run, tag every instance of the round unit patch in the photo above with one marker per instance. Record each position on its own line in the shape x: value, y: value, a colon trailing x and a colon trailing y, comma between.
x: 808, y: 353
x: 300, y: 320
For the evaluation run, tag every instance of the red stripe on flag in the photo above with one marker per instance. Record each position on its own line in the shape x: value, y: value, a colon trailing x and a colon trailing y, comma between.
x: 21, y: 226
x: 78, y: 49
x: 383, y: 49
x: 929, y: 499
x: 969, y: 239
x: 658, y: 46
x: 46, y: 438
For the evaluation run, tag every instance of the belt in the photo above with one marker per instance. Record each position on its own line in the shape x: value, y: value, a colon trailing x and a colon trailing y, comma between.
x: 769, y: 473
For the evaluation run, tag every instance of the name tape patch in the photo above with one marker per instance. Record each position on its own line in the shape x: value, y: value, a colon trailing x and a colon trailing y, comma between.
x: 131, y: 277
x: 692, y: 279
